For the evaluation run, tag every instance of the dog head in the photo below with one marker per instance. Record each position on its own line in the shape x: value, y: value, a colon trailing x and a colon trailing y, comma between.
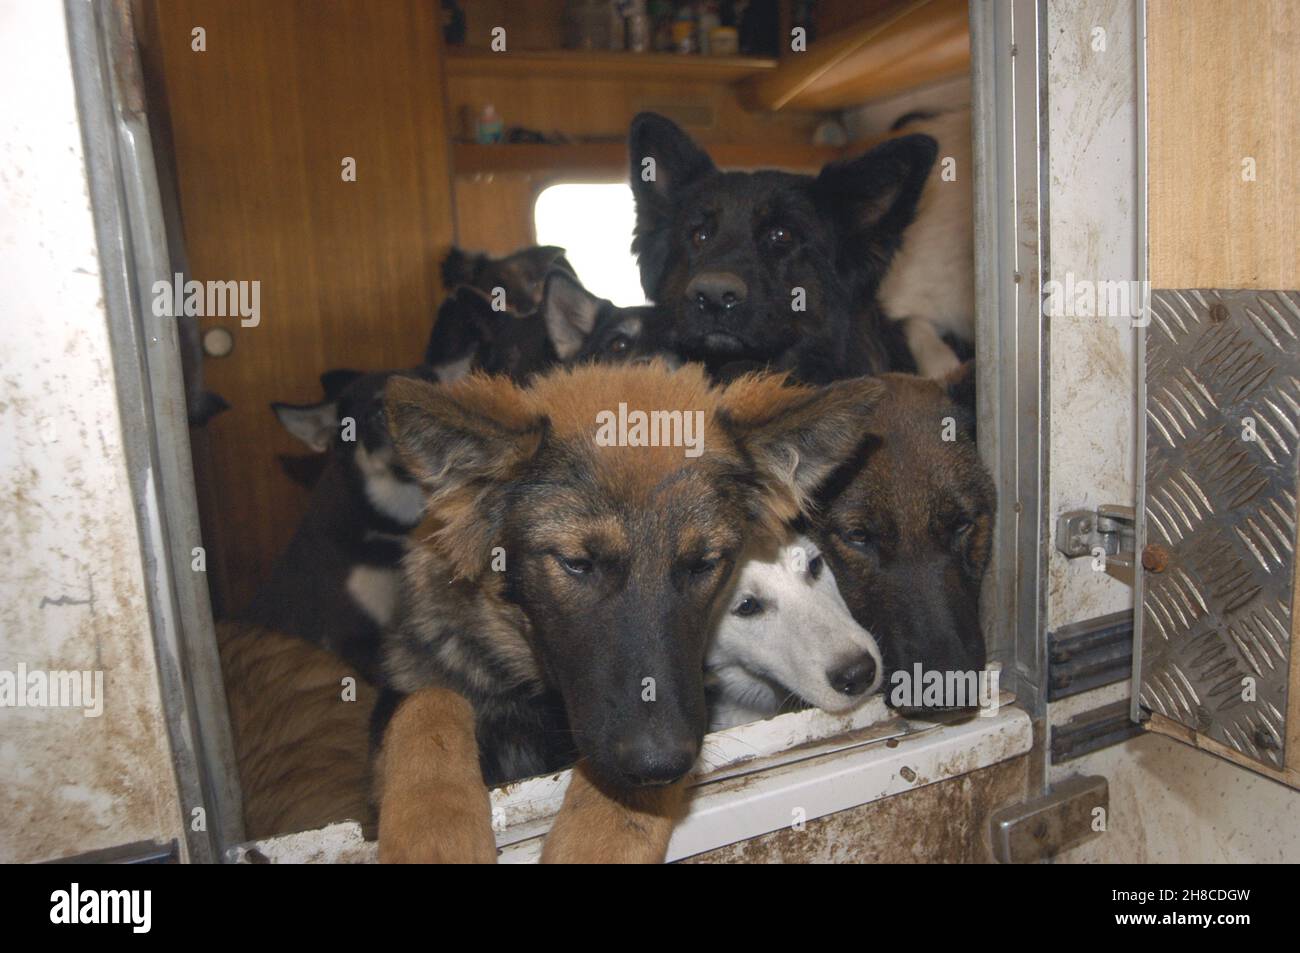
x: 770, y: 267
x: 519, y: 276
x: 784, y: 628
x: 622, y: 498
x: 471, y: 333
x: 907, y: 526
x: 351, y: 425
x: 583, y: 327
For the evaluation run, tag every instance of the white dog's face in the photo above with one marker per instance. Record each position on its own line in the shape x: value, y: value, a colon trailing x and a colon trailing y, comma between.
x: 783, y: 630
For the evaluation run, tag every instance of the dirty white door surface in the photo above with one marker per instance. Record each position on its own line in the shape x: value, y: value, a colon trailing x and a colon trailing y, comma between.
x: 1208, y: 229
x: 79, y: 770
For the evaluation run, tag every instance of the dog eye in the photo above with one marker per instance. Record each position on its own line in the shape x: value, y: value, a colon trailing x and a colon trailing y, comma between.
x: 779, y: 236
x: 703, y: 566
x: 815, y: 566
x: 619, y: 344
x: 574, y: 567
x: 858, y: 538
x: 701, y: 235
x: 961, y: 529
x: 749, y: 606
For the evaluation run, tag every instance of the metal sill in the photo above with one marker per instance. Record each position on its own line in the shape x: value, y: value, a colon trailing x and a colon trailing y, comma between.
x: 753, y: 779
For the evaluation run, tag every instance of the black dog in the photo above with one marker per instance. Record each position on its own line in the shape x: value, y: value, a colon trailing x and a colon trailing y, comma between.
x: 582, y: 327
x: 336, y: 583
x: 570, y: 326
x: 467, y: 335
x: 770, y: 268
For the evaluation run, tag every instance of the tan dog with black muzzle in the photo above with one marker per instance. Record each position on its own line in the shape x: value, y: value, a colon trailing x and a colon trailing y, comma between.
x: 557, y: 604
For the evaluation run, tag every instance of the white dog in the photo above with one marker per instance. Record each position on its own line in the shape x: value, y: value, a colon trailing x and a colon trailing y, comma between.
x: 783, y: 634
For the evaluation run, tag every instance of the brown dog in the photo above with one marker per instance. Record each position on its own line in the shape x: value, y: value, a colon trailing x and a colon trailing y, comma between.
x: 583, y: 528
x: 301, y: 745
x: 907, y: 525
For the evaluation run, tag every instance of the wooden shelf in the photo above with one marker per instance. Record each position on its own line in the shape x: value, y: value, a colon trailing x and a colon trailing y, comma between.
x: 910, y: 43
x: 608, y: 160
x: 584, y: 64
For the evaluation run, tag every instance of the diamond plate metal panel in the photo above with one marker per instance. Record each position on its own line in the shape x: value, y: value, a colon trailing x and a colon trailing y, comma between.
x: 1222, y: 413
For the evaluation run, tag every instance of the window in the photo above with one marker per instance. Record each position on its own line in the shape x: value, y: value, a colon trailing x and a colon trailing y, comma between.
x: 592, y: 222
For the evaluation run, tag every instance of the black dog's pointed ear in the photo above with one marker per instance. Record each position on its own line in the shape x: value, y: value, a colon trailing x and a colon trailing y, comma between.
x: 661, y: 157
x: 569, y: 311
x: 459, y: 268
x: 540, y: 258
x: 335, y: 381
x: 661, y: 160
x: 873, y: 198
x: 522, y: 274
x: 313, y: 424
x: 461, y: 329
x: 960, y: 385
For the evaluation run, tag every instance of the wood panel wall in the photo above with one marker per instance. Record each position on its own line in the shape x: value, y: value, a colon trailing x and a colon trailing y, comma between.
x: 261, y: 122
x: 1223, y: 86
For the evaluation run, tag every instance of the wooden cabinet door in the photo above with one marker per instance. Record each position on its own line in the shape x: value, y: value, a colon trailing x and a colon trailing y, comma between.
x: 263, y: 119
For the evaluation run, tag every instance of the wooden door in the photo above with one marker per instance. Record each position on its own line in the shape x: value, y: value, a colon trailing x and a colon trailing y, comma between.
x: 263, y: 119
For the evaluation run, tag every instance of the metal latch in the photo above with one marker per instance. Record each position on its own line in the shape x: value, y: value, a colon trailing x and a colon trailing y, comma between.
x: 1107, y: 536
x: 1075, y: 810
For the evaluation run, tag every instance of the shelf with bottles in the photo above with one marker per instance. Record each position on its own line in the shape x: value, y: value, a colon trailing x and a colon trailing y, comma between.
x: 598, y: 64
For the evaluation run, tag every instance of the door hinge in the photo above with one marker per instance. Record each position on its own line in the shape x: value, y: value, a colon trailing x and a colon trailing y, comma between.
x: 1093, y: 730
x: 1107, y: 535
x: 1073, y: 811
x: 1085, y: 655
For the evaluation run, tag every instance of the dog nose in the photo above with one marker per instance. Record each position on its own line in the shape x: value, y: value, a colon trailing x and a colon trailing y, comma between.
x: 649, y: 760
x: 855, y: 678
x: 716, y: 291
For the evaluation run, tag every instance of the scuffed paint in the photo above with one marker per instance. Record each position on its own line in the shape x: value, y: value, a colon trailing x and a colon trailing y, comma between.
x: 944, y: 823
x: 1092, y: 190
x: 71, y: 586
x: 340, y: 843
x: 1173, y: 804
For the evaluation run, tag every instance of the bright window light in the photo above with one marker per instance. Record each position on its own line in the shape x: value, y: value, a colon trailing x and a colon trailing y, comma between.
x: 593, y: 222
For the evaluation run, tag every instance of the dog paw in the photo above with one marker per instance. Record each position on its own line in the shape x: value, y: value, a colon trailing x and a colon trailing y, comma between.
x: 457, y: 837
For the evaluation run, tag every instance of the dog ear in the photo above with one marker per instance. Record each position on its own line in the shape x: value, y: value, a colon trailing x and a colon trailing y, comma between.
x: 522, y: 275
x: 456, y: 434
x: 796, y: 436
x: 313, y: 424
x: 335, y: 382
x: 873, y: 198
x: 569, y: 311
x: 960, y: 385
x: 661, y: 160
x: 459, y: 268
x: 677, y: 160
x: 459, y: 440
x: 460, y: 330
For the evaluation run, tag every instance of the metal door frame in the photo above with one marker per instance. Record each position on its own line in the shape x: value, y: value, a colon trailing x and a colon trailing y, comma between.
x: 1009, y: 125
x: 132, y: 246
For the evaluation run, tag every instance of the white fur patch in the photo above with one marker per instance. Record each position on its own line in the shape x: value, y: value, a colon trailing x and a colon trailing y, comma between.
x: 932, y: 277
x: 402, y: 501
x: 454, y: 370
x: 374, y: 590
